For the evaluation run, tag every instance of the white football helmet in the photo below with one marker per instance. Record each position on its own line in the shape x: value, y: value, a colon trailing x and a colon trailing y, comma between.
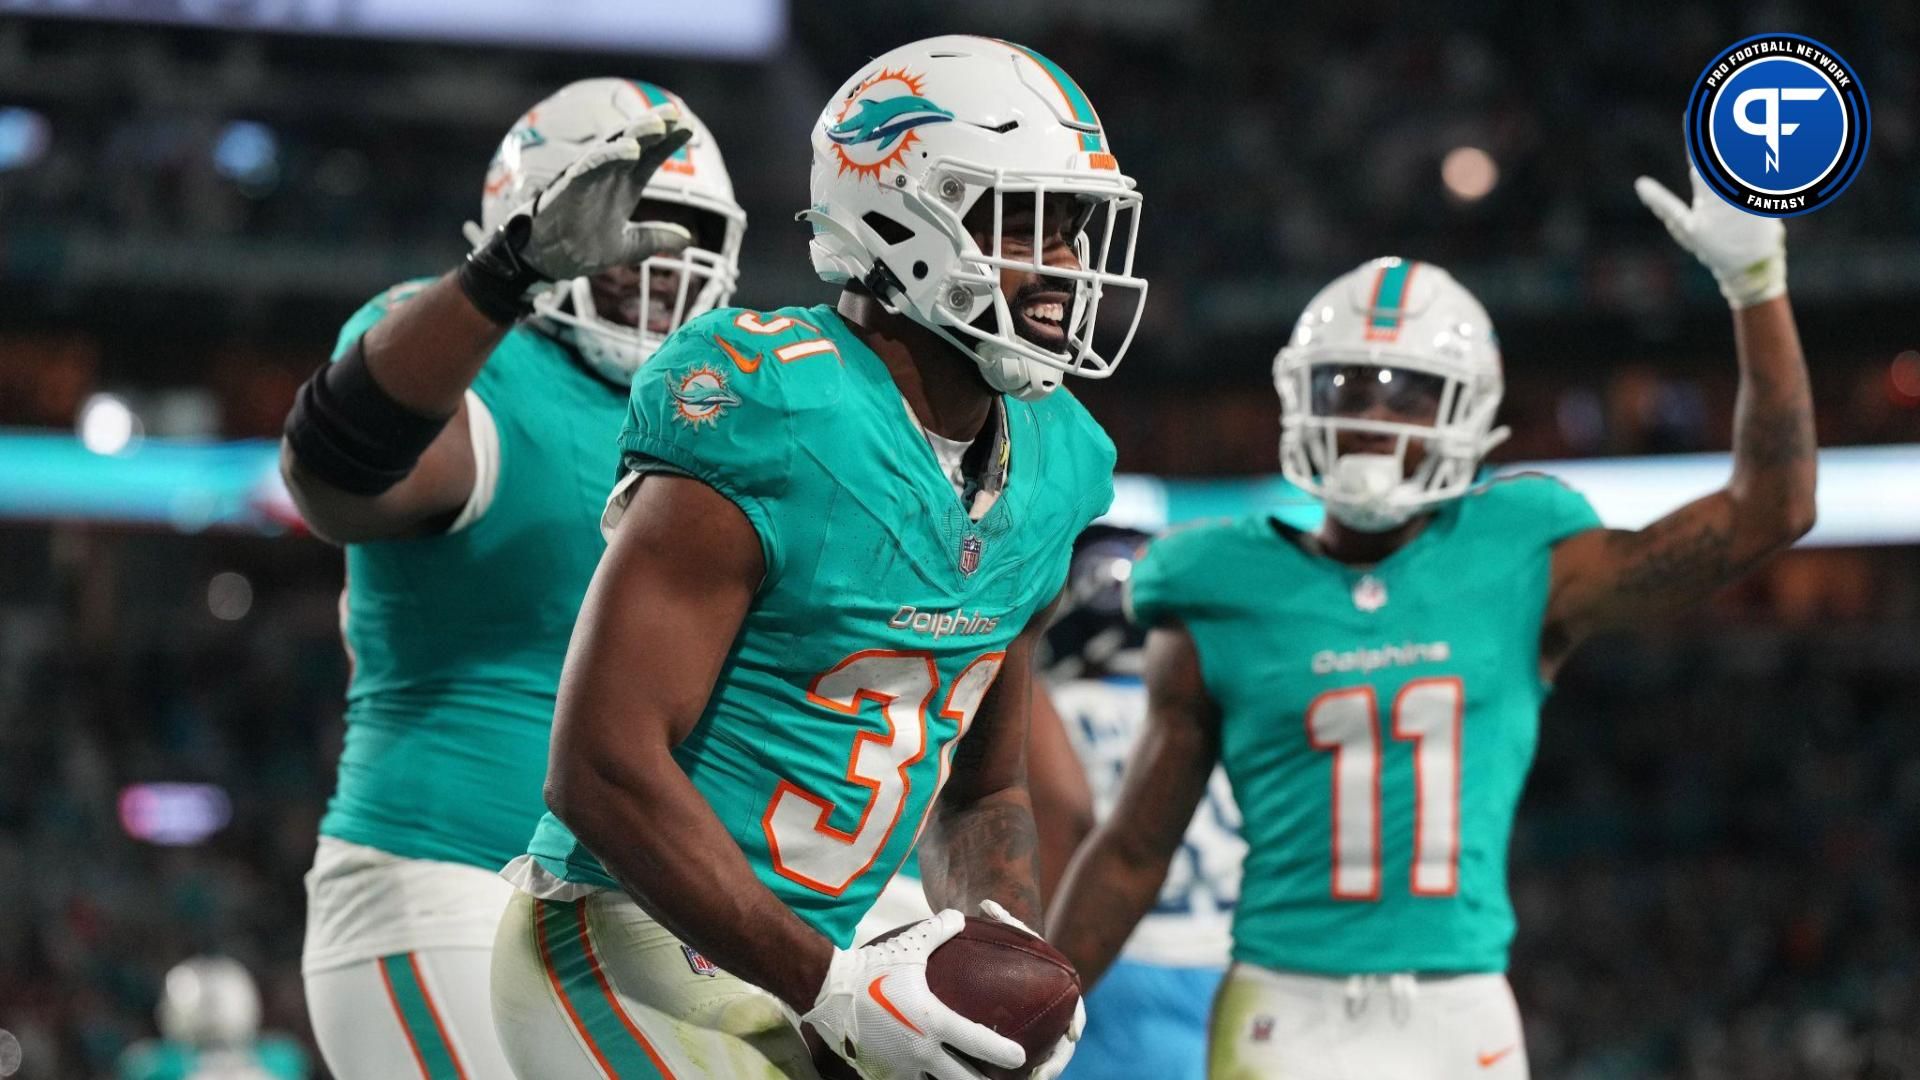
x: 209, y: 1001
x: 700, y: 278
x: 1396, y: 352
x: 903, y: 153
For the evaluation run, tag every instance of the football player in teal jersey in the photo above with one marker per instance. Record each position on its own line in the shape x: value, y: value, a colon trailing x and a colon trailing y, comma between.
x: 809, y: 644
x: 460, y: 446
x: 1373, y: 687
x: 209, y: 1016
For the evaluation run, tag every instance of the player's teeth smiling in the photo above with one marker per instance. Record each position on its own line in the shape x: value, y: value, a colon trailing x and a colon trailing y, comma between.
x: 1051, y: 314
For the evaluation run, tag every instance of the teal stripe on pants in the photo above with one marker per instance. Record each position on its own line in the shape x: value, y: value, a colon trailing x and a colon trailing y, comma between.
x: 437, y: 1059
x: 619, y: 1045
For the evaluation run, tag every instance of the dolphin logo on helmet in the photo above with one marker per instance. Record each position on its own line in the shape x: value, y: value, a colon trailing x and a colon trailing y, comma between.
x: 885, y: 121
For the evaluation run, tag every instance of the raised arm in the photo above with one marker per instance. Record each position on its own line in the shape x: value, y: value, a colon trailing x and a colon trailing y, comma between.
x: 1114, y: 879
x: 398, y: 391
x: 680, y: 571
x: 1612, y: 577
x: 379, y: 443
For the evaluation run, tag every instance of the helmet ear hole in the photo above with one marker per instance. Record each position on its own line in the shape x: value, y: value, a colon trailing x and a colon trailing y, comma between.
x: 893, y: 232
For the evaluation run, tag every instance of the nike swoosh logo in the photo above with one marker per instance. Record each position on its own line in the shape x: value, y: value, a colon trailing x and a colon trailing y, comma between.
x: 879, y: 995
x: 1488, y: 1061
x: 747, y: 366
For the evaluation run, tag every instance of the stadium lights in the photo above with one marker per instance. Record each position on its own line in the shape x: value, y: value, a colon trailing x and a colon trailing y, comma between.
x: 24, y: 135
x: 108, y: 425
x: 1469, y: 173
x: 248, y: 153
x: 1867, y: 495
x: 229, y: 596
x: 174, y: 814
x: 1903, y: 379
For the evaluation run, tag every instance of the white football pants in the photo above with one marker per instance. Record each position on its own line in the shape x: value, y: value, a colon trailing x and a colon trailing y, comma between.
x: 1269, y: 1025
x: 396, y: 963
x: 593, y: 988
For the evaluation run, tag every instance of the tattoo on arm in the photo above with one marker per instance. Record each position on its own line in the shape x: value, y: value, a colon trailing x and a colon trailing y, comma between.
x: 1617, y: 578
x: 1779, y: 436
x: 992, y: 852
x: 1677, y: 554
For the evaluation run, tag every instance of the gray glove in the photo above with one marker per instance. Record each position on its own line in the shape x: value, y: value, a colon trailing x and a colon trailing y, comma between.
x: 578, y: 224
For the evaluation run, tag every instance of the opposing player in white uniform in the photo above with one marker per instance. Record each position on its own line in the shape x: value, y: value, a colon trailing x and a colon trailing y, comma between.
x: 1148, y: 1017
x: 459, y: 446
x: 1373, y: 687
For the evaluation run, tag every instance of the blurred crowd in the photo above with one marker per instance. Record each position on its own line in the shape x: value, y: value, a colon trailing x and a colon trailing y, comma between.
x: 1717, y: 866
x: 212, y: 188
x: 116, y: 670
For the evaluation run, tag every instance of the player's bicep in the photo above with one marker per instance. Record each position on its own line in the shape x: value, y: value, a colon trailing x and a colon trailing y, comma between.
x: 681, y: 569
x: 1613, y: 577
x: 426, y: 501
x: 1167, y: 775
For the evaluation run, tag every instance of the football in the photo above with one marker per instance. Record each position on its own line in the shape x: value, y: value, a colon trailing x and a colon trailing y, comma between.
x: 1014, y: 983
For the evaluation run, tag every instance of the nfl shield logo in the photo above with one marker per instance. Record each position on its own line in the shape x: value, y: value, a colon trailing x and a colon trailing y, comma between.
x: 970, y: 549
x: 1262, y: 1029
x: 1369, y: 594
x: 700, y: 964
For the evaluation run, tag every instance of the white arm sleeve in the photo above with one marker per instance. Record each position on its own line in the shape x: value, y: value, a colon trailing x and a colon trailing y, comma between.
x: 484, y: 434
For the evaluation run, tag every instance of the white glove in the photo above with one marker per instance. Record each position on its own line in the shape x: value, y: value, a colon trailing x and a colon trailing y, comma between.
x: 1056, y: 1060
x: 875, y: 1011
x: 579, y: 224
x: 1746, y: 252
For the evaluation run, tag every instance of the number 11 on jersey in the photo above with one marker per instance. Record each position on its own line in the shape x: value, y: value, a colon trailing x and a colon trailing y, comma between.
x: 1346, y: 724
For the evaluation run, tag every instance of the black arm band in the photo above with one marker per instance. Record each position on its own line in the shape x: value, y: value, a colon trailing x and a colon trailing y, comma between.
x: 350, y: 433
x: 496, y: 279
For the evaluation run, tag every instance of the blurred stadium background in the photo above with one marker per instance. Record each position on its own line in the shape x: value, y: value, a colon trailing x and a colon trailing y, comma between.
x: 1718, y: 861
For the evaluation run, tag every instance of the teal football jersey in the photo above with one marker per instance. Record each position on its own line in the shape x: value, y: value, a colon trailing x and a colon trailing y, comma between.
x: 886, y: 610
x: 456, y: 640
x: 1377, y: 725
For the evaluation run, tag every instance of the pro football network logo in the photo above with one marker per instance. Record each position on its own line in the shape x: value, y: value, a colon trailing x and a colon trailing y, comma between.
x: 1778, y: 124
x: 876, y: 124
x: 701, y: 395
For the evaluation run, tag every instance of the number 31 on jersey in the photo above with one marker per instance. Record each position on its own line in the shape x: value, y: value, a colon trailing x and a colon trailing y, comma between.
x: 806, y: 847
